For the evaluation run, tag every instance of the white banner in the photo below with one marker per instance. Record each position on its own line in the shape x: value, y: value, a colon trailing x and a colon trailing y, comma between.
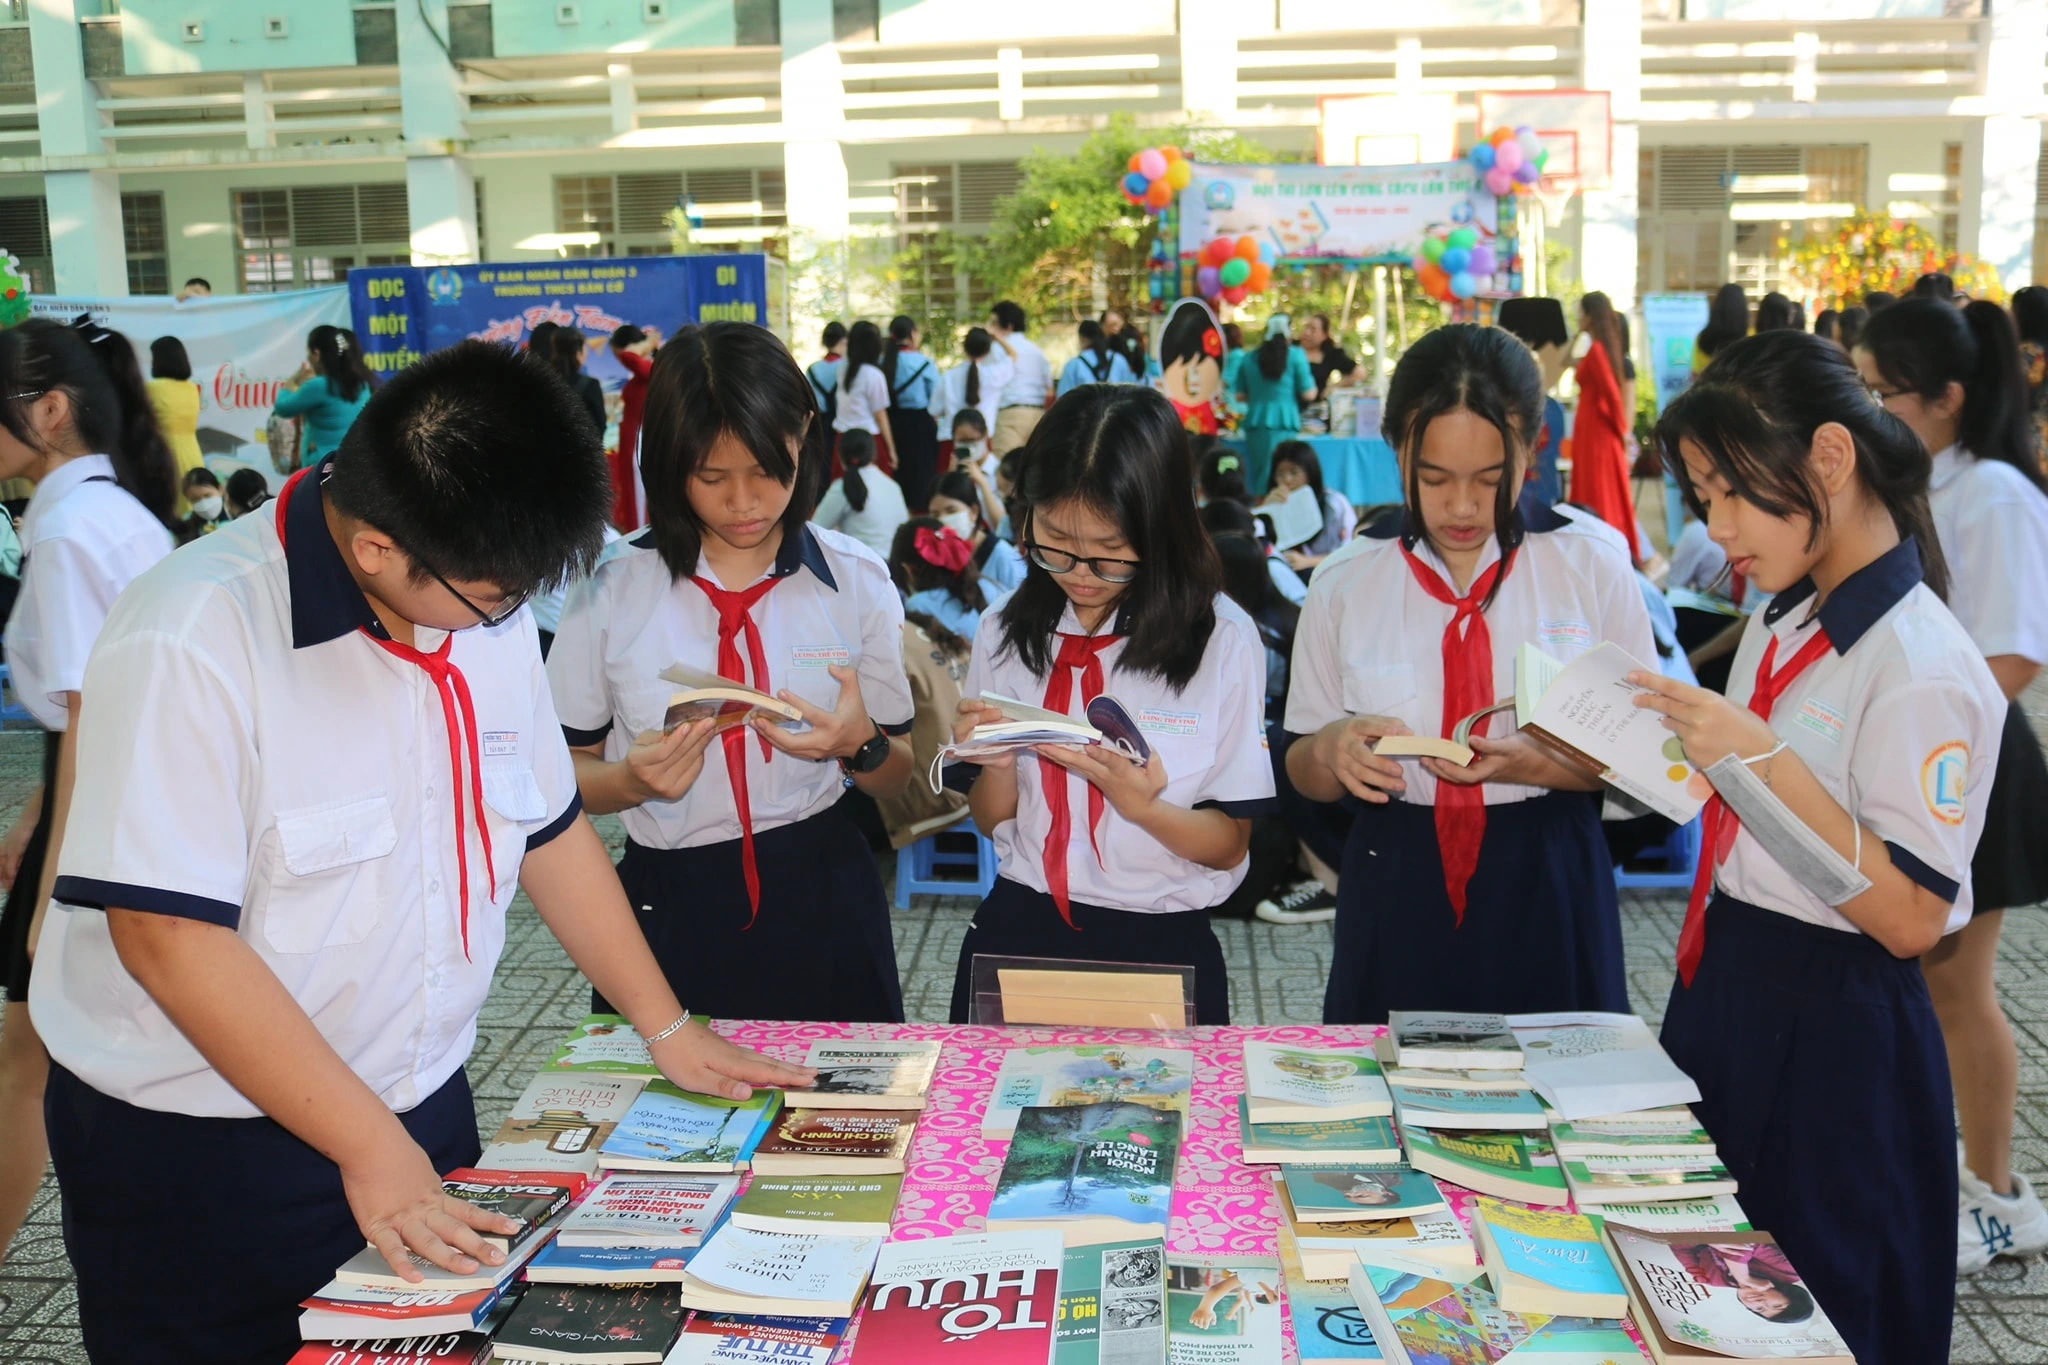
x: 242, y: 346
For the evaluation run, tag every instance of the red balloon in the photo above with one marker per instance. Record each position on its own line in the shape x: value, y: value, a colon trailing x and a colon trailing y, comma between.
x: 1236, y: 294
x: 1130, y: 198
x: 1218, y: 251
x: 1158, y: 195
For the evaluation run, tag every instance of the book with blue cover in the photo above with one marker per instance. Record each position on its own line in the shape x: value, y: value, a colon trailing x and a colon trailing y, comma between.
x: 559, y: 1264
x: 1350, y: 1194
x: 670, y: 1129
x: 1547, y: 1261
x: 1095, y: 1172
x: 1468, y: 1109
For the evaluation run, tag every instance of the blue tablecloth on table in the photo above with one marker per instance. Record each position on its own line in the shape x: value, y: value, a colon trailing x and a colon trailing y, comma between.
x: 1365, y: 470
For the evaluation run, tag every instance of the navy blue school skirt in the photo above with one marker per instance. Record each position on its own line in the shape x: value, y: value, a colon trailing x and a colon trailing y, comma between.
x: 821, y: 947
x: 1016, y: 921
x: 195, y: 1238
x: 1542, y: 926
x: 1824, y: 1082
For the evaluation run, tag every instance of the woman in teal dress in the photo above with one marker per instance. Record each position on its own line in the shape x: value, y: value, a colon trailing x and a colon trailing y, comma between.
x: 327, y: 392
x: 1273, y: 381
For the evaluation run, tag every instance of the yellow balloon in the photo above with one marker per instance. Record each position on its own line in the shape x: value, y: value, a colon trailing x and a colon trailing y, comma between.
x: 1180, y: 174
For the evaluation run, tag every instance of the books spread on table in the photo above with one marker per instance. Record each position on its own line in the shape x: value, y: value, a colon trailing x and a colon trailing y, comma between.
x: 1547, y: 1261
x: 1586, y: 1065
x: 992, y: 1299
x: 1095, y: 1172
x: 1292, y: 1084
x: 559, y: 1264
x: 736, y: 1339
x: 444, y: 1348
x: 606, y: 1043
x: 1462, y: 1107
x: 630, y: 1210
x: 1654, y: 1132
x: 1453, y: 1042
x: 1350, y: 1194
x: 1595, y: 1180
x: 1519, y: 1166
x: 359, y: 1313
x: 1109, y: 725
x: 1112, y: 1305
x: 740, y: 1270
x: 1366, y: 1142
x: 1328, y: 1250
x: 1708, y: 1296
x: 1717, y: 1213
x: 1420, y: 1315
x: 670, y: 1129
x: 1086, y: 1074
x: 1225, y: 1313
x: 707, y: 696
x: 861, y: 1074
x: 569, y: 1324
x: 836, y: 1142
x: 561, y: 1120
x: 836, y: 1205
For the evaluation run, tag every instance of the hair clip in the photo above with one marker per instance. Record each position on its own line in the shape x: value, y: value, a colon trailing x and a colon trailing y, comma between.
x: 1228, y: 464
x: 341, y: 343
x: 93, y: 333
x: 943, y: 548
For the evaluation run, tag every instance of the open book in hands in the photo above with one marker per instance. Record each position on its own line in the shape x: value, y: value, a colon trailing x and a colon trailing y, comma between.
x: 1024, y: 726
x: 706, y: 696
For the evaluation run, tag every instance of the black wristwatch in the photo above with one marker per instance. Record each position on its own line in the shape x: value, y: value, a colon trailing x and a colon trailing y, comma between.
x: 868, y: 756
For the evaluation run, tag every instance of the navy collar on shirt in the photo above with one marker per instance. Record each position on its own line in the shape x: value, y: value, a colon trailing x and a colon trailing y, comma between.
x: 1861, y: 599
x: 326, y: 603
x: 796, y: 552
x: 1531, y: 518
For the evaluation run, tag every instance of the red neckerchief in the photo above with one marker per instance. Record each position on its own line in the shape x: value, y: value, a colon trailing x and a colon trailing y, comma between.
x: 1718, y: 824
x: 1082, y: 652
x: 458, y: 711
x: 1468, y: 687
x: 735, y: 616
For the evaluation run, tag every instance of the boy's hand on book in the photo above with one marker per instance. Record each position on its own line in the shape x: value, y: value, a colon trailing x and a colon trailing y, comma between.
x: 837, y: 733
x: 1709, y: 725
x: 1129, y: 789
x: 664, y: 767
x: 399, y: 1204
x: 1345, y: 748
x: 971, y: 712
x: 699, y: 1060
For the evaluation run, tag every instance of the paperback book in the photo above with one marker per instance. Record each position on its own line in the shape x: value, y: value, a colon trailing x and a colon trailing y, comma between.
x: 1520, y: 1166
x: 1112, y: 1305
x: 1470, y: 1078
x: 1289, y: 1084
x: 628, y: 1210
x: 361, y: 1313
x: 529, y: 1199
x: 1656, y: 1132
x: 720, y: 700
x: 1707, y: 1297
x: 1328, y: 1325
x: 433, y: 1348
x: 1363, y: 1142
x: 608, y: 1045
x: 1328, y: 1250
x: 1096, y: 1173
x: 560, y: 1122
x: 1350, y: 1194
x: 1457, y: 1107
x: 779, y: 1273
x: 1593, y: 1064
x: 1076, y: 1075
x: 592, y: 1325
x: 1547, y: 1261
x: 1719, y: 1213
x: 1454, y: 1042
x: 973, y: 1300
x: 858, y: 1074
x: 1108, y: 725
x: 1223, y: 1313
x: 1599, y: 1180
x: 835, y: 1205
x: 1420, y: 1316
x: 558, y: 1264
x: 734, y: 1339
x: 670, y: 1129
x: 836, y: 1142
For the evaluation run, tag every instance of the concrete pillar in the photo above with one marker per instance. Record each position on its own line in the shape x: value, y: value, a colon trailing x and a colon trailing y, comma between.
x: 814, y: 167
x: 1208, y: 58
x: 86, y: 247
x: 440, y: 192
x: 440, y: 202
x: 2002, y: 151
x: 1611, y: 59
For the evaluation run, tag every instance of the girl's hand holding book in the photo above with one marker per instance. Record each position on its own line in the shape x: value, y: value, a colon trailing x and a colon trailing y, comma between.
x: 1345, y: 748
x: 833, y: 734
x: 665, y: 767
x: 971, y: 712
x: 1709, y: 725
x: 1129, y: 789
x: 1515, y: 759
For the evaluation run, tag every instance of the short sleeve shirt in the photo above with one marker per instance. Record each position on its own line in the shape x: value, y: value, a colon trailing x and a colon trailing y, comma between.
x: 1993, y: 528
x: 861, y: 397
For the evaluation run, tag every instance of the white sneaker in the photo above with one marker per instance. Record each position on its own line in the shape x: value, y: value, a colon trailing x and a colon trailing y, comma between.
x: 1306, y: 903
x: 1992, y: 1225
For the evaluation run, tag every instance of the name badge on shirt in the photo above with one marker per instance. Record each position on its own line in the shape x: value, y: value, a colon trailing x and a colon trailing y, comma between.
x: 1162, y: 722
x: 1822, y: 718
x: 1569, y: 634
x: 501, y: 743
x: 819, y: 656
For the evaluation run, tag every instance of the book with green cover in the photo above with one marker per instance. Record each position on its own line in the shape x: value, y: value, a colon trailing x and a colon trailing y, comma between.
x: 1519, y: 1166
x: 1461, y: 1107
x: 1298, y: 1084
x: 1096, y: 1172
x: 1113, y: 1305
x: 670, y: 1129
x: 607, y: 1043
x: 1367, y: 1142
x: 1598, y: 1180
x: 1547, y: 1261
x: 843, y: 1205
x: 1350, y: 1194
x: 1657, y: 1132
x: 1076, y: 1075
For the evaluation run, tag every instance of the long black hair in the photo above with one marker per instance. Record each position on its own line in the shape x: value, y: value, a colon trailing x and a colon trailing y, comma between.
x: 2030, y: 314
x: 1303, y: 456
x: 1095, y: 341
x: 912, y: 572
x: 977, y: 345
x: 720, y: 379
x: 1754, y: 412
x: 1220, y: 473
x: 1923, y: 344
x: 1487, y: 372
x: 1121, y: 450
x: 856, y: 452
x: 1182, y: 339
x: 1273, y: 354
x: 340, y: 358
x: 902, y: 328
x: 863, y: 347
x: 1727, y: 320
x: 97, y: 370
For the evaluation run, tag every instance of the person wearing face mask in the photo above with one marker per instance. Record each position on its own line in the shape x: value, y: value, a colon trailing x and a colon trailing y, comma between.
x: 961, y: 502
x: 201, y: 491
x: 933, y: 567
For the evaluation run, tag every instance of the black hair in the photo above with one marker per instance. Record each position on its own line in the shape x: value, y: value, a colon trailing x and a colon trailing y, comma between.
x: 913, y: 573
x: 565, y: 353
x: 978, y: 344
x: 720, y: 379
x: 1538, y: 322
x: 1131, y: 341
x: 1225, y: 517
x: 1248, y: 581
x: 863, y: 347
x: 1303, y: 456
x: 1233, y: 337
x: 2030, y: 314
x: 856, y: 452
x: 478, y: 462
x: 1828, y: 323
x: 1095, y: 340
x: 1773, y: 312
x: 1120, y: 449
x: 1798, y: 1302
x: 835, y: 332
x: 971, y: 418
x: 1466, y: 368
x: 247, y: 489
x: 201, y: 281
x: 110, y: 406
x: 541, y: 340
x: 1220, y: 475
x: 1182, y: 339
x: 1853, y: 321
x: 959, y: 485
x: 199, y: 475
x: 1753, y: 412
x: 1010, y: 315
x: 1924, y: 343
x: 902, y: 328
x: 624, y: 335
x: 1727, y: 320
x: 340, y: 361
x: 168, y: 360
x: 1273, y: 354
x: 1933, y: 285
x: 1877, y: 300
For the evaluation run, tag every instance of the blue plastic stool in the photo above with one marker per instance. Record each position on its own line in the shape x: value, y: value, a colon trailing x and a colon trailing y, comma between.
x: 1681, y: 860
x: 11, y: 710
x: 918, y: 864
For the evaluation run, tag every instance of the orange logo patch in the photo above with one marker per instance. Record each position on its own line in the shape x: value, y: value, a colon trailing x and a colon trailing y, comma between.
x: 1941, y: 781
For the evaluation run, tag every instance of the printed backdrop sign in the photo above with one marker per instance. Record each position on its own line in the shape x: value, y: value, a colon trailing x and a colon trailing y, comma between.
x: 243, y: 346
x: 404, y: 312
x: 1672, y: 321
x: 1376, y: 214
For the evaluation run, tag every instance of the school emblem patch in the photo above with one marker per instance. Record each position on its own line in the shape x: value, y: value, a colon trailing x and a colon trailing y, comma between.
x: 1941, y: 781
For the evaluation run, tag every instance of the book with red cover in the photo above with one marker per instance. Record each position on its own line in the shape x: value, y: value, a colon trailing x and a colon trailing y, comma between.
x: 355, y: 1312
x: 532, y: 1197
x: 992, y: 1299
x: 440, y: 1348
x: 836, y: 1142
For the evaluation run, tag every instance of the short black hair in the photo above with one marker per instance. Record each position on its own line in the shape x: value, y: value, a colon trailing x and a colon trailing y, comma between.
x: 835, y: 332
x: 972, y: 419
x: 167, y: 359
x: 482, y: 465
x: 248, y: 489
x: 626, y: 334
x: 201, y: 281
x: 1010, y: 315
x: 1538, y: 322
x: 201, y: 476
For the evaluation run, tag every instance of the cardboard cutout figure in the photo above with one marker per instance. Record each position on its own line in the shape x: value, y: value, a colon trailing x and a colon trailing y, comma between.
x: 1191, y: 361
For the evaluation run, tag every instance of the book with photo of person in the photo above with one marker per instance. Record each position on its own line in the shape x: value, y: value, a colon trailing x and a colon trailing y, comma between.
x: 1292, y: 1084
x: 1223, y: 1312
x: 1112, y: 1305
x: 867, y: 1074
x: 1709, y: 1296
x: 1350, y: 1194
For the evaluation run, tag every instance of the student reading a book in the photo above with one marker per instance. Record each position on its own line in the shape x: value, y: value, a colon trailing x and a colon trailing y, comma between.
x: 282, y: 895
x: 1480, y: 888
x: 1296, y: 465
x: 1102, y: 859
x: 747, y: 875
x: 1859, y: 713
x: 934, y: 570
x: 1954, y: 376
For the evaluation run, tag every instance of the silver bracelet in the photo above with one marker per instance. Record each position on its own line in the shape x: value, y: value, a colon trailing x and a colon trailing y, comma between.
x: 676, y: 1027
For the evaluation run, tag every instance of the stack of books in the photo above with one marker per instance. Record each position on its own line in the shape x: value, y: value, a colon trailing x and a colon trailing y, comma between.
x: 734, y: 1339
x: 1334, y: 1213
x: 634, y: 1229
x: 430, y: 1348
x: 831, y: 1205
x: 1646, y: 1157
x: 1093, y: 1172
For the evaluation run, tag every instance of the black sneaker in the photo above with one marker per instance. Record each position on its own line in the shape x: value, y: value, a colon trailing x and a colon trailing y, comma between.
x: 1307, y: 903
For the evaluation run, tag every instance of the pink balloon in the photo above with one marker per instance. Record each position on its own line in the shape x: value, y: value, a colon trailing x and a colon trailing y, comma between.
x: 1482, y: 261
x: 1420, y: 263
x: 1152, y: 163
x: 1508, y: 156
x: 1499, y: 182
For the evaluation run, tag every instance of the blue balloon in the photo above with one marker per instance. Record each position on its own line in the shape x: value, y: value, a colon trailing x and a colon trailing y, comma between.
x: 1455, y: 259
x: 1137, y: 184
x: 1158, y: 287
x: 1482, y: 156
x: 1463, y: 286
x: 1268, y: 253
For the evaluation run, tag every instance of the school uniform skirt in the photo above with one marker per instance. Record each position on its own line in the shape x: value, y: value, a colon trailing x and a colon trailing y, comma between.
x: 1016, y: 921
x: 821, y: 947
x: 20, y: 911
x: 2011, y: 866
x: 158, y: 1205
x: 1542, y: 925
x: 1825, y: 1085
x: 917, y: 454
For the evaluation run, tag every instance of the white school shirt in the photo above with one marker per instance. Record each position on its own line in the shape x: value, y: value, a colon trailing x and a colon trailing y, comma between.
x: 1210, y: 736
x: 1370, y: 640
x: 860, y: 398
x: 874, y: 525
x: 1030, y: 376
x: 1993, y: 528
x: 546, y: 605
x: 631, y: 619
x: 1900, y: 721
x: 84, y: 539
x: 251, y: 758
x: 952, y: 393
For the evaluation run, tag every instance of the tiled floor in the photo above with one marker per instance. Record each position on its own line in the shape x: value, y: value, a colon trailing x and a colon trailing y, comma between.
x: 1277, y: 976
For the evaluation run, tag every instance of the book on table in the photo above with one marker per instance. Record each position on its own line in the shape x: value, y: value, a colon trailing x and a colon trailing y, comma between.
x: 1328, y: 1326
x: 1328, y: 1250
x: 529, y: 1198
x: 1298, y: 1084
x: 559, y: 1324
x: 559, y: 1264
x: 560, y: 1120
x: 860, y: 1074
x: 1597, y: 1180
x: 991, y: 1299
x: 1351, y: 1194
x: 1366, y: 1142
x: 628, y: 1209
x: 1112, y: 1304
x: 1653, y: 1132
x: 783, y: 1274
x: 1520, y: 1166
x: 1465, y: 1078
x: 1701, y: 1296
x: 836, y: 1142
x: 722, y: 701
x: 1547, y: 1261
x: 736, y: 1339
x: 1095, y: 1173
x: 1462, y: 1107
x: 1223, y: 1312
x: 1422, y: 1316
x: 1592, y: 1064
x: 443, y: 1348
x: 359, y: 1313
x: 1077, y: 1074
x: 1716, y: 1213
x: 607, y: 1045
x: 671, y: 1129
x: 1433, y: 1039
x: 835, y: 1205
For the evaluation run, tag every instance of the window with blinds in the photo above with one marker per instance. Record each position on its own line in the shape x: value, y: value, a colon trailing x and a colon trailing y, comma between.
x: 25, y: 231
x: 1715, y: 214
x: 629, y: 214
x: 308, y: 235
x: 146, y: 242
x: 959, y: 194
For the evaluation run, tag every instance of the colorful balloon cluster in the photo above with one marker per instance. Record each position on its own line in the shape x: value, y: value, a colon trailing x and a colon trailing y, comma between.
x: 1155, y: 175
x: 1454, y: 263
x: 1511, y: 160
x: 1234, y: 268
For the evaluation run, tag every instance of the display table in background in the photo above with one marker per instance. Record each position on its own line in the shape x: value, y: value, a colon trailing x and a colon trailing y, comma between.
x: 1364, y: 469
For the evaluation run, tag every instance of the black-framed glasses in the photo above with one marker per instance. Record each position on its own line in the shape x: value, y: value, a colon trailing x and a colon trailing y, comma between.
x: 507, y: 607
x: 1883, y: 396
x: 1061, y: 562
